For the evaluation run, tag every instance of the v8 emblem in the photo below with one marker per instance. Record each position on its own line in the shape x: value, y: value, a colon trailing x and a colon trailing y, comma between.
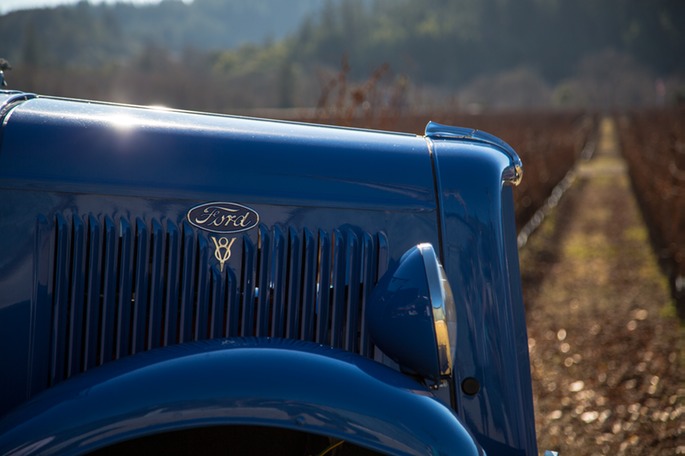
x: 222, y: 249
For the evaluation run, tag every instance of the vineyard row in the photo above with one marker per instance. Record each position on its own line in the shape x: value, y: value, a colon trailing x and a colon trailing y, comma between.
x: 653, y: 143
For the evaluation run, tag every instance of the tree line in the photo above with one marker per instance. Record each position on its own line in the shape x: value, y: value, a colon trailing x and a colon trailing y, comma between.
x: 254, y: 53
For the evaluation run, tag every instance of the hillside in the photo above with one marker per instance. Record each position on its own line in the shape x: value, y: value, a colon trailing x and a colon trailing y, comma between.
x: 94, y: 35
x: 490, y: 54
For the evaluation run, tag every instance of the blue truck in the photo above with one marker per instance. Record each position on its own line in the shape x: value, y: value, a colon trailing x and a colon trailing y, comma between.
x: 190, y: 283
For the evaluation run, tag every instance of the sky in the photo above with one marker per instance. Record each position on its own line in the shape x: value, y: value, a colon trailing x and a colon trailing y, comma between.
x: 11, y: 5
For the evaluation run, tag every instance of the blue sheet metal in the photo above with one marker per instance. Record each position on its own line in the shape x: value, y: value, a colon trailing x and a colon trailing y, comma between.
x: 284, y: 383
x: 94, y: 233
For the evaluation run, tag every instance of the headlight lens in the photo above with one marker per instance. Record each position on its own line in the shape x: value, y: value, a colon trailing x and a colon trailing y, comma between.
x: 412, y: 315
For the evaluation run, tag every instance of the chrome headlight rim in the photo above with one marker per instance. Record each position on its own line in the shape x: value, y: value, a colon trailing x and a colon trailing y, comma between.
x: 443, y: 306
x: 411, y: 316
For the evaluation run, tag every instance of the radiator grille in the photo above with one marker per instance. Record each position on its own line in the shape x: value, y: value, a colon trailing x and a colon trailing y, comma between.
x: 115, y: 287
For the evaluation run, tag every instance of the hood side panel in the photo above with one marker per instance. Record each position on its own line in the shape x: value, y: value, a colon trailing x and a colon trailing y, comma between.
x: 88, y: 188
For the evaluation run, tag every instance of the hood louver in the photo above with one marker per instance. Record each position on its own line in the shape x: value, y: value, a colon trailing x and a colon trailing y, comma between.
x: 110, y: 288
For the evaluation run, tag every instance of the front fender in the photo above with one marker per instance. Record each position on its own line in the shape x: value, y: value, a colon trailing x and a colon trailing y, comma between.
x: 266, y: 382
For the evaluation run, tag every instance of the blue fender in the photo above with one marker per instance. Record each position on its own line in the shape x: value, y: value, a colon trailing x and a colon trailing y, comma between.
x: 265, y: 382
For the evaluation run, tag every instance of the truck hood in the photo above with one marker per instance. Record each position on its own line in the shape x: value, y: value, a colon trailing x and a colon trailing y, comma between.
x: 85, y: 147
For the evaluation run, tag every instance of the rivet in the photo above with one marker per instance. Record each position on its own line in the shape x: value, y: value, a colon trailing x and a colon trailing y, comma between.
x: 470, y: 386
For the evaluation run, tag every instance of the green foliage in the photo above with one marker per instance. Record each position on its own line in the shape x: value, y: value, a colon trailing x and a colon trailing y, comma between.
x: 280, y: 48
x: 450, y: 42
x: 96, y: 34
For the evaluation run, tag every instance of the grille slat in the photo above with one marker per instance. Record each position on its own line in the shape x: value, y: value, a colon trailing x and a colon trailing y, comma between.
x: 338, y: 300
x: 109, y: 283
x: 142, y: 267
x: 309, y: 286
x: 187, y: 295
x: 323, y: 293
x: 119, y: 288
x: 76, y: 297
x: 61, y: 295
x: 278, y: 279
x: 41, y: 316
x: 369, y: 269
x: 201, y: 305
x: 292, y: 314
x: 155, y: 305
x: 75, y: 310
x: 247, y: 288
x: 217, y: 306
x: 92, y: 308
x: 352, y: 301
x: 171, y: 307
x: 233, y: 324
x: 264, y: 271
x: 118, y: 332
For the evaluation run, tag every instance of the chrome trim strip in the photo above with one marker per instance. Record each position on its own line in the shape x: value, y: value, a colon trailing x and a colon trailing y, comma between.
x: 512, y: 175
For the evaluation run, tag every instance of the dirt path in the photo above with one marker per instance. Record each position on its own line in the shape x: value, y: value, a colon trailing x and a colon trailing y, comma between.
x: 607, y: 352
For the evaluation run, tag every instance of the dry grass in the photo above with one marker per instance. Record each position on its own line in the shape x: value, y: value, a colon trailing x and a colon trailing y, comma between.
x: 606, y: 352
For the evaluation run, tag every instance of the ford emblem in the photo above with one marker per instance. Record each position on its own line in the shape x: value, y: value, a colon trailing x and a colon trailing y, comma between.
x: 223, y: 217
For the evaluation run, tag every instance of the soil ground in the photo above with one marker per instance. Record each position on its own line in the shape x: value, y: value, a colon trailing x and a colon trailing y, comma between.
x: 607, y: 349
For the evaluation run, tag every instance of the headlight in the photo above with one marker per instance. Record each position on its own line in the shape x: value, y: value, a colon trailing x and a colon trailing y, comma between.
x: 412, y: 316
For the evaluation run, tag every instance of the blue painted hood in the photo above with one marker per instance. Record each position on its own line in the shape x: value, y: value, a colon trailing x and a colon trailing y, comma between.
x: 89, y: 183
x: 86, y: 147
x: 94, y: 229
